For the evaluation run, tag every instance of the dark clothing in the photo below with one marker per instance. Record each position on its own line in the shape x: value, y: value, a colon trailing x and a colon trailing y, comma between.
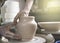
x: 2, y: 30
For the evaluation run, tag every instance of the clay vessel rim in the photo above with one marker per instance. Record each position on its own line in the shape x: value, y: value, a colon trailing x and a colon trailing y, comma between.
x: 28, y: 17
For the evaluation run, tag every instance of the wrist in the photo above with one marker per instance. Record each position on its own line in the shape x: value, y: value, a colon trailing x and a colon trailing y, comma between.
x: 24, y: 13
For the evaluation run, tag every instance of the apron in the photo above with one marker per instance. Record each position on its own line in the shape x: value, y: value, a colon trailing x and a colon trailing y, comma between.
x: 10, y: 9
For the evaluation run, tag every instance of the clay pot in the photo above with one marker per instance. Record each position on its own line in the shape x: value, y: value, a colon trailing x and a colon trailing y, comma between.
x: 27, y: 27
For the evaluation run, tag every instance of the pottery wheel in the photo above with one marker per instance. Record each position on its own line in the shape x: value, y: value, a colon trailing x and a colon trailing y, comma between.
x: 34, y: 40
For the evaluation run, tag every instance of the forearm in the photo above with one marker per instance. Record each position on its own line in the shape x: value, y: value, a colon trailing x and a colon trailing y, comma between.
x: 28, y: 6
x: 25, y: 11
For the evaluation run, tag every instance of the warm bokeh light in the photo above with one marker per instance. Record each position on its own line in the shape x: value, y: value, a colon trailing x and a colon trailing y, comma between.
x: 53, y: 6
x: 46, y: 10
x: 53, y: 3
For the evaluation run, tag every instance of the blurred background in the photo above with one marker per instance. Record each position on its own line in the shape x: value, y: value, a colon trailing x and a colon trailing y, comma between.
x: 46, y: 10
x: 1, y: 4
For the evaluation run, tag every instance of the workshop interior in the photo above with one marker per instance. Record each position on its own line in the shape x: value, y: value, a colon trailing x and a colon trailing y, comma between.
x: 46, y: 14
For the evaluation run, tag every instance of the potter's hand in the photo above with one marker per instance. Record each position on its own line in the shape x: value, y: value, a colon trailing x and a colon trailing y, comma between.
x: 15, y: 19
x: 10, y: 35
x: 25, y: 11
x: 19, y: 16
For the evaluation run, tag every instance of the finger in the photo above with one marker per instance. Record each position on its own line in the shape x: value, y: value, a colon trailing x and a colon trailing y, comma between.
x: 15, y: 22
x: 15, y: 19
